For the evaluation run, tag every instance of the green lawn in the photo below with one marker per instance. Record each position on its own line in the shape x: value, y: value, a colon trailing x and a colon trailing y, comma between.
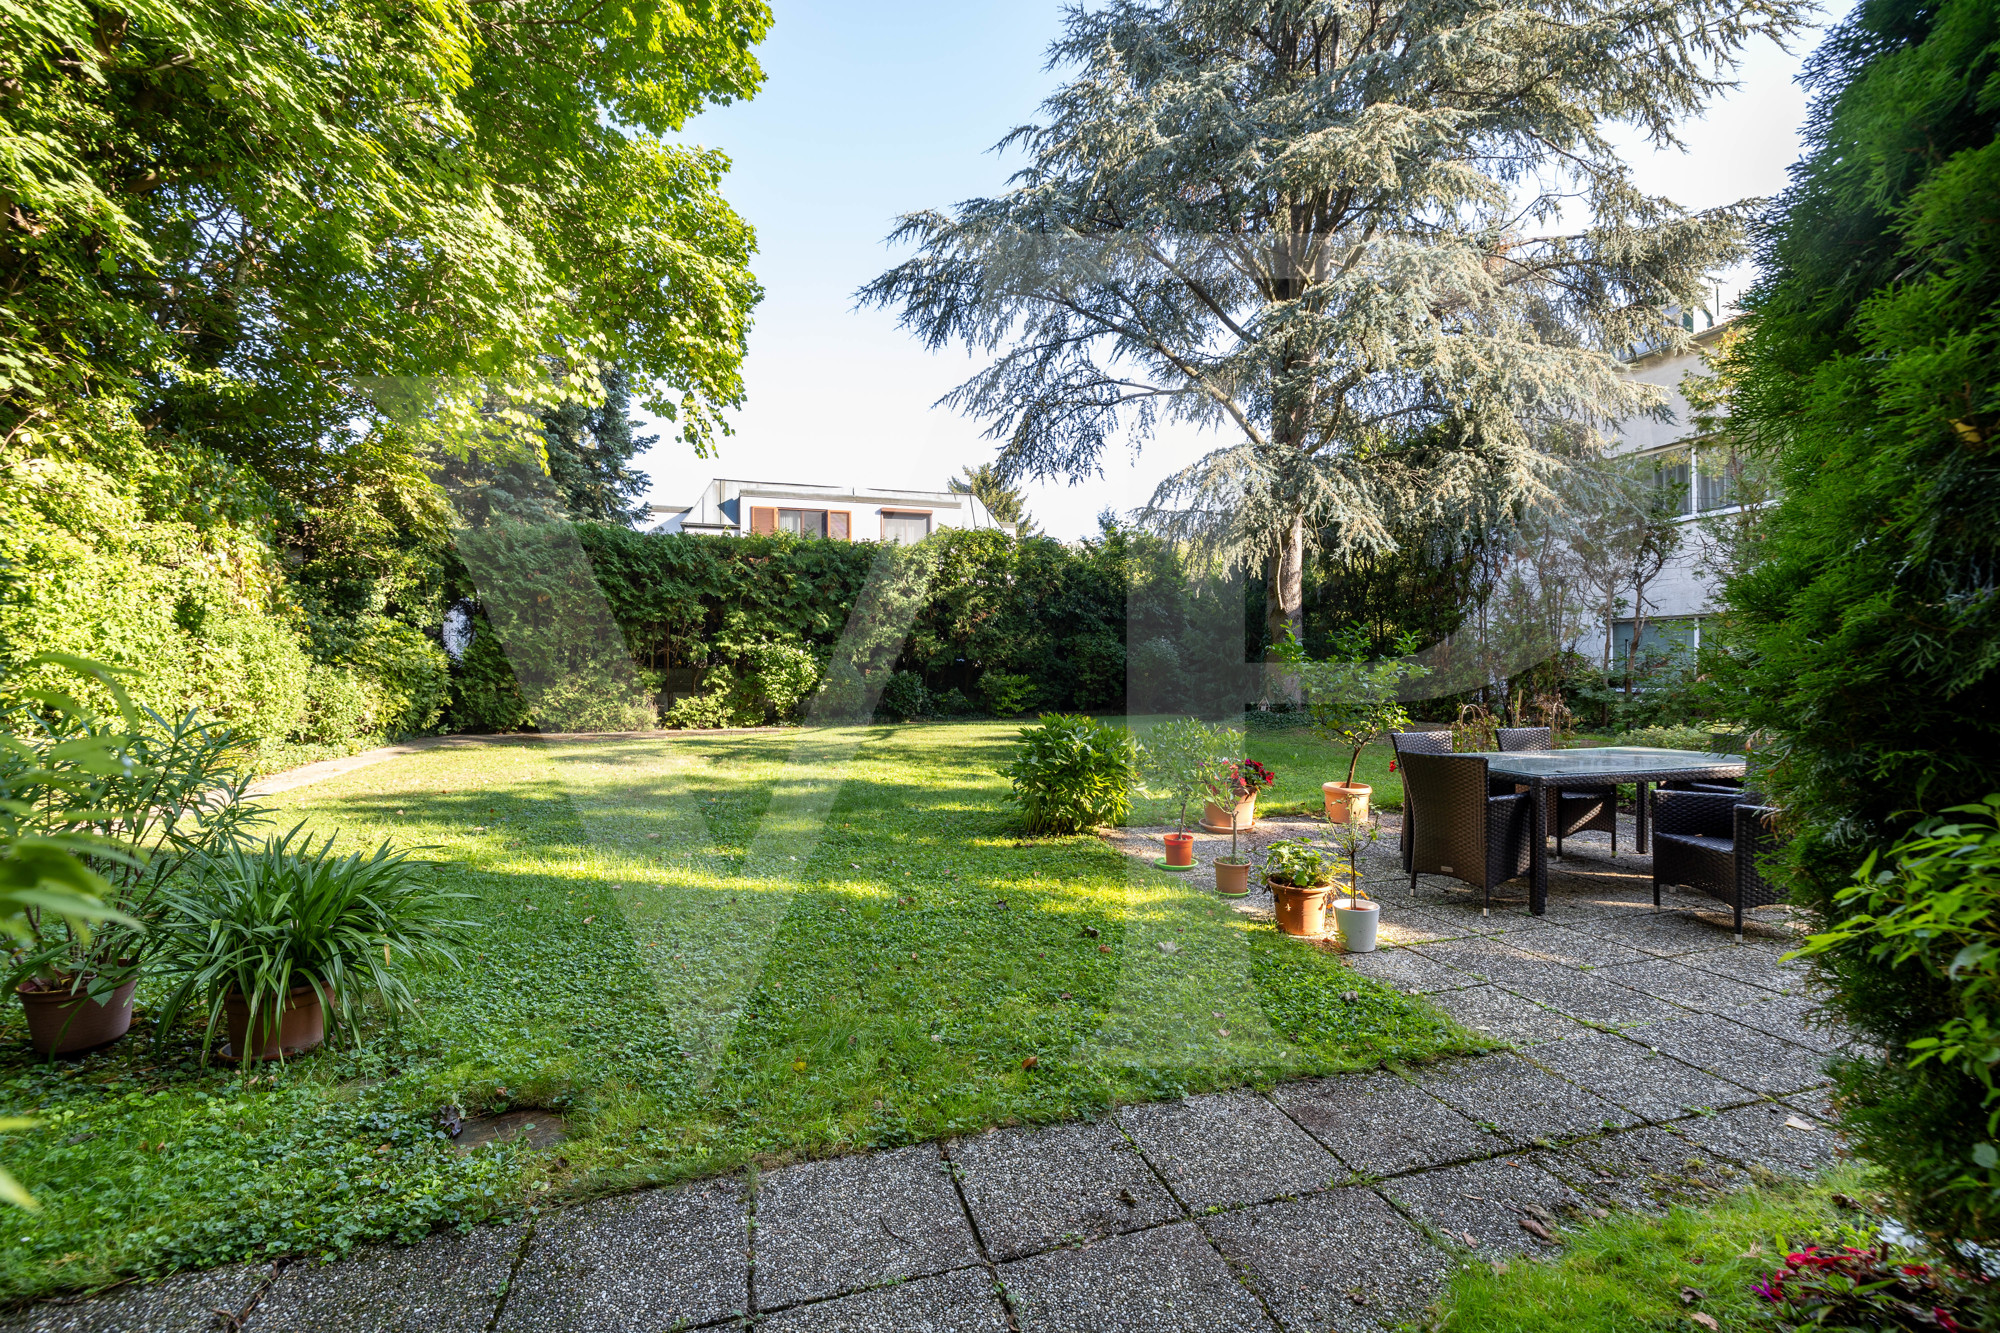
x: 705, y: 952
x: 1301, y: 761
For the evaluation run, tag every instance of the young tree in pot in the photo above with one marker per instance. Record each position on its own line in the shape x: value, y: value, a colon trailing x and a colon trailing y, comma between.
x: 1299, y: 876
x: 1352, y: 701
x: 1357, y: 915
x: 1181, y: 760
x: 273, y: 941
x: 1232, y: 802
x: 1240, y: 783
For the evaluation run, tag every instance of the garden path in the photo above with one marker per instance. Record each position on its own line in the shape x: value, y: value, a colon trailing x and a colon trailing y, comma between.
x: 1651, y: 1059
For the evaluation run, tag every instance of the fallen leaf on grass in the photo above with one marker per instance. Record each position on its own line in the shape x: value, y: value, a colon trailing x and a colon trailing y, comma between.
x: 1030, y: 1062
x: 1536, y: 1229
x: 1689, y: 1295
x: 1794, y: 1122
x: 1705, y: 1320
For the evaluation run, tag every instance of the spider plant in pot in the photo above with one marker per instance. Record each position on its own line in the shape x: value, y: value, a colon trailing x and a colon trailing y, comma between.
x: 269, y: 943
x: 1356, y: 915
x: 1299, y: 876
x: 1181, y: 760
x: 1238, y: 787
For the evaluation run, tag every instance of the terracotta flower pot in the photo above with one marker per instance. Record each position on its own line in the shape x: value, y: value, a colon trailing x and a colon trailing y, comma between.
x: 297, y: 1028
x: 1356, y: 920
x: 1180, y: 849
x: 1346, y: 802
x: 61, y: 1023
x: 1300, y: 911
x: 1216, y: 819
x: 1232, y: 881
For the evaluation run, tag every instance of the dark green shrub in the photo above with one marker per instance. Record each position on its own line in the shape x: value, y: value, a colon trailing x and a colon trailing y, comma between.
x: 904, y: 697
x: 1072, y: 773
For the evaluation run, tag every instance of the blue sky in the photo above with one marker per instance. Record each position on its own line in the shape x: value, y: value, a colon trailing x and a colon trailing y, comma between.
x: 879, y: 107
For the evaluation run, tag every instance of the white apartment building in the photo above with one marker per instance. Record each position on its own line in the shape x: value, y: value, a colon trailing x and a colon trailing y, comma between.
x: 732, y: 508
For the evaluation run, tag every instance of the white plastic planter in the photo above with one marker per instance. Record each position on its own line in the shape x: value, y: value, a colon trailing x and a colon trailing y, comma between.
x: 1356, y: 923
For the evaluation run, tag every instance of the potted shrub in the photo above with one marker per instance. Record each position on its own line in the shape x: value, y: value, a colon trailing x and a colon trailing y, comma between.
x: 1072, y: 773
x: 1299, y: 876
x: 1351, y: 703
x: 1181, y: 760
x: 272, y: 942
x: 1241, y: 782
x: 1357, y: 915
x: 1231, y: 803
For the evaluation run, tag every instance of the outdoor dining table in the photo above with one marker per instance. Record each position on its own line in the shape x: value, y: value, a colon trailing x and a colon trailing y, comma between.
x: 1604, y: 766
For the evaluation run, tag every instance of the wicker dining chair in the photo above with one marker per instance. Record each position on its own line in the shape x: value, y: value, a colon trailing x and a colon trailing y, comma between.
x: 1458, y: 828
x: 1415, y: 742
x: 1569, y: 811
x: 1711, y: 841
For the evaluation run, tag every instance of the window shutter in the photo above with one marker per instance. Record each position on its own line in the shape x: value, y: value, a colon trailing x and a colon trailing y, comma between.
x: 837, y: 522
x: 763, y: 522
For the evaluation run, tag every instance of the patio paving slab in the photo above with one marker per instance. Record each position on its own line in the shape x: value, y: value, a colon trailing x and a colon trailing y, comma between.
x: 443, y: 1284
x: 1576, y: 947
x: 1030, y: 1189
x: 956, y: 1302
x: 1794, y: 1018
x: 1506, y: 1016
x: 654, y: 1259
x: 1754, y: 964
x: 1343, y: 1261
x: 1168, y: 1280
x: 1481, y: 1204
x: 183, y: 1304
x: 1647, y: 1169
x: 1673, y: 934
x: 1495, y: 959
x: 1689, y: 987
x: 1227, y: 1149
x: 1652, y: 1086
x: 1759, y: 1136
x: 1756, y: 1060
x: 1380, y: 1123
x: 829, y: 1227
x: 1411, y: 972
x: 1589, y: 998
x: 1527, y: 1104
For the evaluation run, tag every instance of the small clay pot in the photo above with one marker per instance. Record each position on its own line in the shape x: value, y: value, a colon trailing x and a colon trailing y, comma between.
x: 1232, y: 881
x: 1346, y: 802
x: 1180, y: 849
x: 1300, y: 911
x: 298, y: 1027
x: 1216, y: 820
x: 63, y: 1023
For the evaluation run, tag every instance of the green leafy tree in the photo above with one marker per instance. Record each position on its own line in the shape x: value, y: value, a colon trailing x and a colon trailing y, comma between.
x: 1312, y: 225
x: 1185, y: 759
x: 1003, y: 501
x: 590, y: 449
x: 1352, y: 702
x: 1867, y: 629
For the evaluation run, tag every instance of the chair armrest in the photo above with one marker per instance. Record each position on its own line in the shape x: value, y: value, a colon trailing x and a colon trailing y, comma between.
x: 1756, y: 837
x: 1704, y: 814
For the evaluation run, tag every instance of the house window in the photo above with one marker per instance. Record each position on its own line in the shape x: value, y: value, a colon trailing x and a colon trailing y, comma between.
x: 1667, y: 638
x: 1673, y: 473
x: 834, y: 523
x: 905, y: 526
x: 802, y: 522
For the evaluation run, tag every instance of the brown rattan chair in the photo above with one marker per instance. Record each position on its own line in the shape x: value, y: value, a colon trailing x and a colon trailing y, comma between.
x: 1415, y: 742
x: 1458, y: 828
x: 1569, y: 811
x: 1711, y: 841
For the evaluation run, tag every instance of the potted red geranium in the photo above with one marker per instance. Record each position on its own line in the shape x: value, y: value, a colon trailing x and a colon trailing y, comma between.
x: 1238, y: 785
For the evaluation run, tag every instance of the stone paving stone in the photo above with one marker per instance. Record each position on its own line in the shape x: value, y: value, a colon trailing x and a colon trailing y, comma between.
x: 852, y: 1222
x: 1818, y: 1104
x: 184, y: 1304
x: 1647, y: 1169
x: 1226, y: 1149
x: 1380, y: 1123
x: 956, y: 1302
x: 1030, y: 1189
x: 1753, y: 964
x: 1794, y: 1018
x: 1496, y: 960
x: 1758, y: 1136
x: 1581, y: 947
x: 1672, y: 934
x: 1527, y: 1104
x: 1343, y: 1260
x: 1650, y: 1085
x: 1672, y: 979
x: 1742, y: 1055
x: 1589, y: 998
x: 648, y: 1260
x: 1410, y: 971
x: 444, y: 1284
x: 1403, y: 924
x: 1481, y: 1204
x: 1505, y: 1015
x: 1167, y: 1280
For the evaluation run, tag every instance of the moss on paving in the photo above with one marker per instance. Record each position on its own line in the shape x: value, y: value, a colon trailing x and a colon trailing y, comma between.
x: 675, y: 951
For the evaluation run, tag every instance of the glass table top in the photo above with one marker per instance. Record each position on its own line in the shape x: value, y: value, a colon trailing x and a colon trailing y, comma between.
x: 1605, y: 761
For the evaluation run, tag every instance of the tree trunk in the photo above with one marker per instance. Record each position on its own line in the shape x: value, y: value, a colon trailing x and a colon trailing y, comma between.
x: 1284, y: 588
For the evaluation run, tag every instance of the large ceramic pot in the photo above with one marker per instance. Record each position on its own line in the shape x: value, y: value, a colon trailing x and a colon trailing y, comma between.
x: 1180, y: 849
x: 62, y: 1022
x: 1216, y: 819
x: 1346, y: 802
x: 298, y: 1027
x: 1356, y: 920
x: 1300, y: 911
x: 1232, y: 881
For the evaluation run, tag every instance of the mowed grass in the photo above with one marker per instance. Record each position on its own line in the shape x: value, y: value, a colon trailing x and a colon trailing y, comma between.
x: 1301, y: 761
x: 704, y: 953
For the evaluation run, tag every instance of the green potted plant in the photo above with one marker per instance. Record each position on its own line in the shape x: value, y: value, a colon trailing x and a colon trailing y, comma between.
x: 1351, y: 702
x: 1299, y: 876
x: 1181, y: 760
x: 1071, y: 773
x: 1357, y: 915
x: 272, y: 941
x: 1239, y: 785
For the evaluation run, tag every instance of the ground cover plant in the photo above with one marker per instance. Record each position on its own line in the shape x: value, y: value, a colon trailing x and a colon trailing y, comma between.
x: 673, y: 950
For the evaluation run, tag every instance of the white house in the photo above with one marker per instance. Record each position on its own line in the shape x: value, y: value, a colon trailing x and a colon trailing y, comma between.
x: 731, y: 508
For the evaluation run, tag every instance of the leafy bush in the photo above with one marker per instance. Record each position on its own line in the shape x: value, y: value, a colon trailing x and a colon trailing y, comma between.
x: 904, y: 696
x: 410, y: 674
x: 1714, y: 739
x: 484, y: 693
x: 953, y: 703
x: 1297, y: 862
x: 1005, y: 694
x: 700, y: 712
x: 1072, y: 773
x: 339, y: 705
